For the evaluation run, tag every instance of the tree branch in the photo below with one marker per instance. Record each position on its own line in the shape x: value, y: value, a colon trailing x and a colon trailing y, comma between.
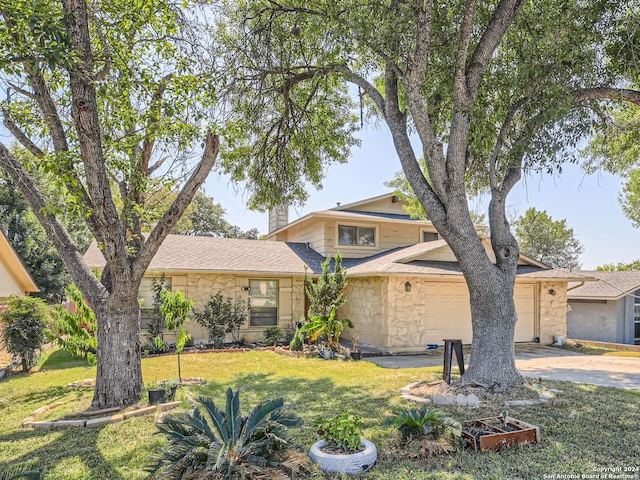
x: 150, y: 247
x: 79, y: 271
x: 501, y: 20
x: 87, y: 124
x: 495, y: 153
x: 19, y: 135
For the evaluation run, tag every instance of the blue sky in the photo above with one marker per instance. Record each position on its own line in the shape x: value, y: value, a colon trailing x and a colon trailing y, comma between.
x: 588, y: 203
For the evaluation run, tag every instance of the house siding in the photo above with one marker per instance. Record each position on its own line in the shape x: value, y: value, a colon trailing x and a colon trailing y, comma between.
x: 594, y: 321
x: 8, y: 285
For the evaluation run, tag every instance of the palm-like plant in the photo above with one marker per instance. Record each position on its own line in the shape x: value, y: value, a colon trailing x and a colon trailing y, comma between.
x: 215, y: 443
x: 425, y: 422
x: 327, y: 326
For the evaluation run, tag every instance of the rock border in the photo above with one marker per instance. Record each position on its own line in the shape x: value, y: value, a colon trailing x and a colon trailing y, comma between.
x: 93, y: 422
x: 471, y: 401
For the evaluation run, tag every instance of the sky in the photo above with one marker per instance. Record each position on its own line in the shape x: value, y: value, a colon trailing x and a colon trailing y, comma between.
x: 589, y: 203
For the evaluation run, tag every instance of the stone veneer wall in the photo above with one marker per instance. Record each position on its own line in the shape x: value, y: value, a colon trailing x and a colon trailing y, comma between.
x: 408, y: 313
x: 366, y: 307
x: 200, y: 286
x: 553, y: 311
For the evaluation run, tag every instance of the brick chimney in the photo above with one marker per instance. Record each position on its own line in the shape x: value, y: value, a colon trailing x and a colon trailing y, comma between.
x: 278, y: 217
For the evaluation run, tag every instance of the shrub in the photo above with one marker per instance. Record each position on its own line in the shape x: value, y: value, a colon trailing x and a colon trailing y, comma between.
x: 175, y: 308
x: 221, y: 316
x: 273, y: 335
x: 342, y: 431
x: 328, y: 327
x: 23, y: 333
x: 420, y: 423
x: 297, y: 342
x: 75, y: 333
x: 327, y: 291
x: 154, y: 341
x: 213, y: 442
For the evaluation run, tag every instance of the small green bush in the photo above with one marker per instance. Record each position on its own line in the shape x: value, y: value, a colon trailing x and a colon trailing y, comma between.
x: 273, y: 335
x: 342, y: 431
x: 24, y: 323
x: 297, y: 342
x: 75, y: 333
x: 426, y: 422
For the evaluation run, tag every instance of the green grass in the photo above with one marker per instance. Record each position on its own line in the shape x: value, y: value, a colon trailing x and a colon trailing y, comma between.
x: 586, y: 350
x: 583, y: 428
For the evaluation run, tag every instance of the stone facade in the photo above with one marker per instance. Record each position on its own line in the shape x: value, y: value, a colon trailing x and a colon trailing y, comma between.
x: 201, y: 286
x: 367, y: 308
x: 553, y: 311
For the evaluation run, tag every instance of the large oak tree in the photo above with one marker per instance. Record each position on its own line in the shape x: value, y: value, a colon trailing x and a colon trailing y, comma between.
x: 109, y: 98
x: 483, y: 88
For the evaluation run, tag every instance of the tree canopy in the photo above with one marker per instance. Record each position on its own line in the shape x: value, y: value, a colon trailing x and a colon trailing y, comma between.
x: 547, y: 240
x: 482, y: 90
x: 610, y: 267
x: 113, y: 100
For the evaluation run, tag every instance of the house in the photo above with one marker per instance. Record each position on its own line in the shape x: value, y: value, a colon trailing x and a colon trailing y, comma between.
x: 404, y: 290
x: 14, y: 278
x: 607, y: 310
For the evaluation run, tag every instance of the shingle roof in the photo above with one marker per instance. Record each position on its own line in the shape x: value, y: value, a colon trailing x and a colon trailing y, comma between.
x: 209, y: 254
x: 612, y: 285
x: 185, y: 252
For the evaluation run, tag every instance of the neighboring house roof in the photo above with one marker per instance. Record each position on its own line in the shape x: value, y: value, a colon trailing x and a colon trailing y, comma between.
x: 609, y: 285
x: 210, y: 254
x: 230, y: 255
x: 14, y: 266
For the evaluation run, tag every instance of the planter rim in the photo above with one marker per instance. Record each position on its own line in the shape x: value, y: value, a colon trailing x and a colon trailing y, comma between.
x: 350, y: 463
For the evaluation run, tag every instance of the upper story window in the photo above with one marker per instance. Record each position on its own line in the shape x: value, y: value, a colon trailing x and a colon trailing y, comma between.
x: 352, y: 235
x: 264, y: 303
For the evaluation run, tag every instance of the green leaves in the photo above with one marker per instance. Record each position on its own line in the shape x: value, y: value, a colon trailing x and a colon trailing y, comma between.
x: 223, y: 440
x: 341, y: 431
x: 548, y: 241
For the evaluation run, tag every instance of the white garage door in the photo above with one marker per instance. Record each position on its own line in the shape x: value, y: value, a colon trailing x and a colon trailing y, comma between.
x: 448, y: 315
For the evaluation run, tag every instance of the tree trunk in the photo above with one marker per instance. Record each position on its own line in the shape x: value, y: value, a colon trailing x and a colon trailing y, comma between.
x: 119, y: 375
x: 493, y: 318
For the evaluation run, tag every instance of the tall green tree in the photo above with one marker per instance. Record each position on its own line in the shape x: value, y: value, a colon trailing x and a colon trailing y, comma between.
x: 481, y: 88
x: 610, y: 267
x: 202, y: 217
x: 27, y: 237
x: 111, y: 100
x: 547, y: 240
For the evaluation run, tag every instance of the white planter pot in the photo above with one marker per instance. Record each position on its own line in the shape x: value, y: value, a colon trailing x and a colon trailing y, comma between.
x: 351, y: 463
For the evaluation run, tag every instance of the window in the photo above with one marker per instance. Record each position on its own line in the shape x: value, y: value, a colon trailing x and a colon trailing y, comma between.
x: 146, y: 296
x: 429, y: 236
x: 350, y: 235
x: 636, y: 323
x: 264, y: 303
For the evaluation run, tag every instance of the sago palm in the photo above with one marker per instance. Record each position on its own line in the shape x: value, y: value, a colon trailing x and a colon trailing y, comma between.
x: 215, y: 443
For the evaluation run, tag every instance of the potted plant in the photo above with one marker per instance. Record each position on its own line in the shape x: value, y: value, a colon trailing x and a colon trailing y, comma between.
x: 342, y: 449
x: 163, y: 391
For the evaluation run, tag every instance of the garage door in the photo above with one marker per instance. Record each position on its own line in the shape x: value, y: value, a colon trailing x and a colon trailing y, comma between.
x: 448, y: 315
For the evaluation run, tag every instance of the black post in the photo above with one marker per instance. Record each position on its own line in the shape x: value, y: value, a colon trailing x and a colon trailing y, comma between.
x: 449, y: 346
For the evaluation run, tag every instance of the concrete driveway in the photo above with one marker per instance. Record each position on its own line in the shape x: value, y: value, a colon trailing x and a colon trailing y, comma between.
x: 538, y: 361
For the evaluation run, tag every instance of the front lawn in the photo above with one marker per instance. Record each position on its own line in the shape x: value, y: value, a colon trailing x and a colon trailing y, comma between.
x: 583, y: 429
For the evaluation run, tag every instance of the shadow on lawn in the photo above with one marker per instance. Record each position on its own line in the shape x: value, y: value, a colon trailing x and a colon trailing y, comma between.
x: 71, y: 444
x: 60, y: 360
x: 311, y: 397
